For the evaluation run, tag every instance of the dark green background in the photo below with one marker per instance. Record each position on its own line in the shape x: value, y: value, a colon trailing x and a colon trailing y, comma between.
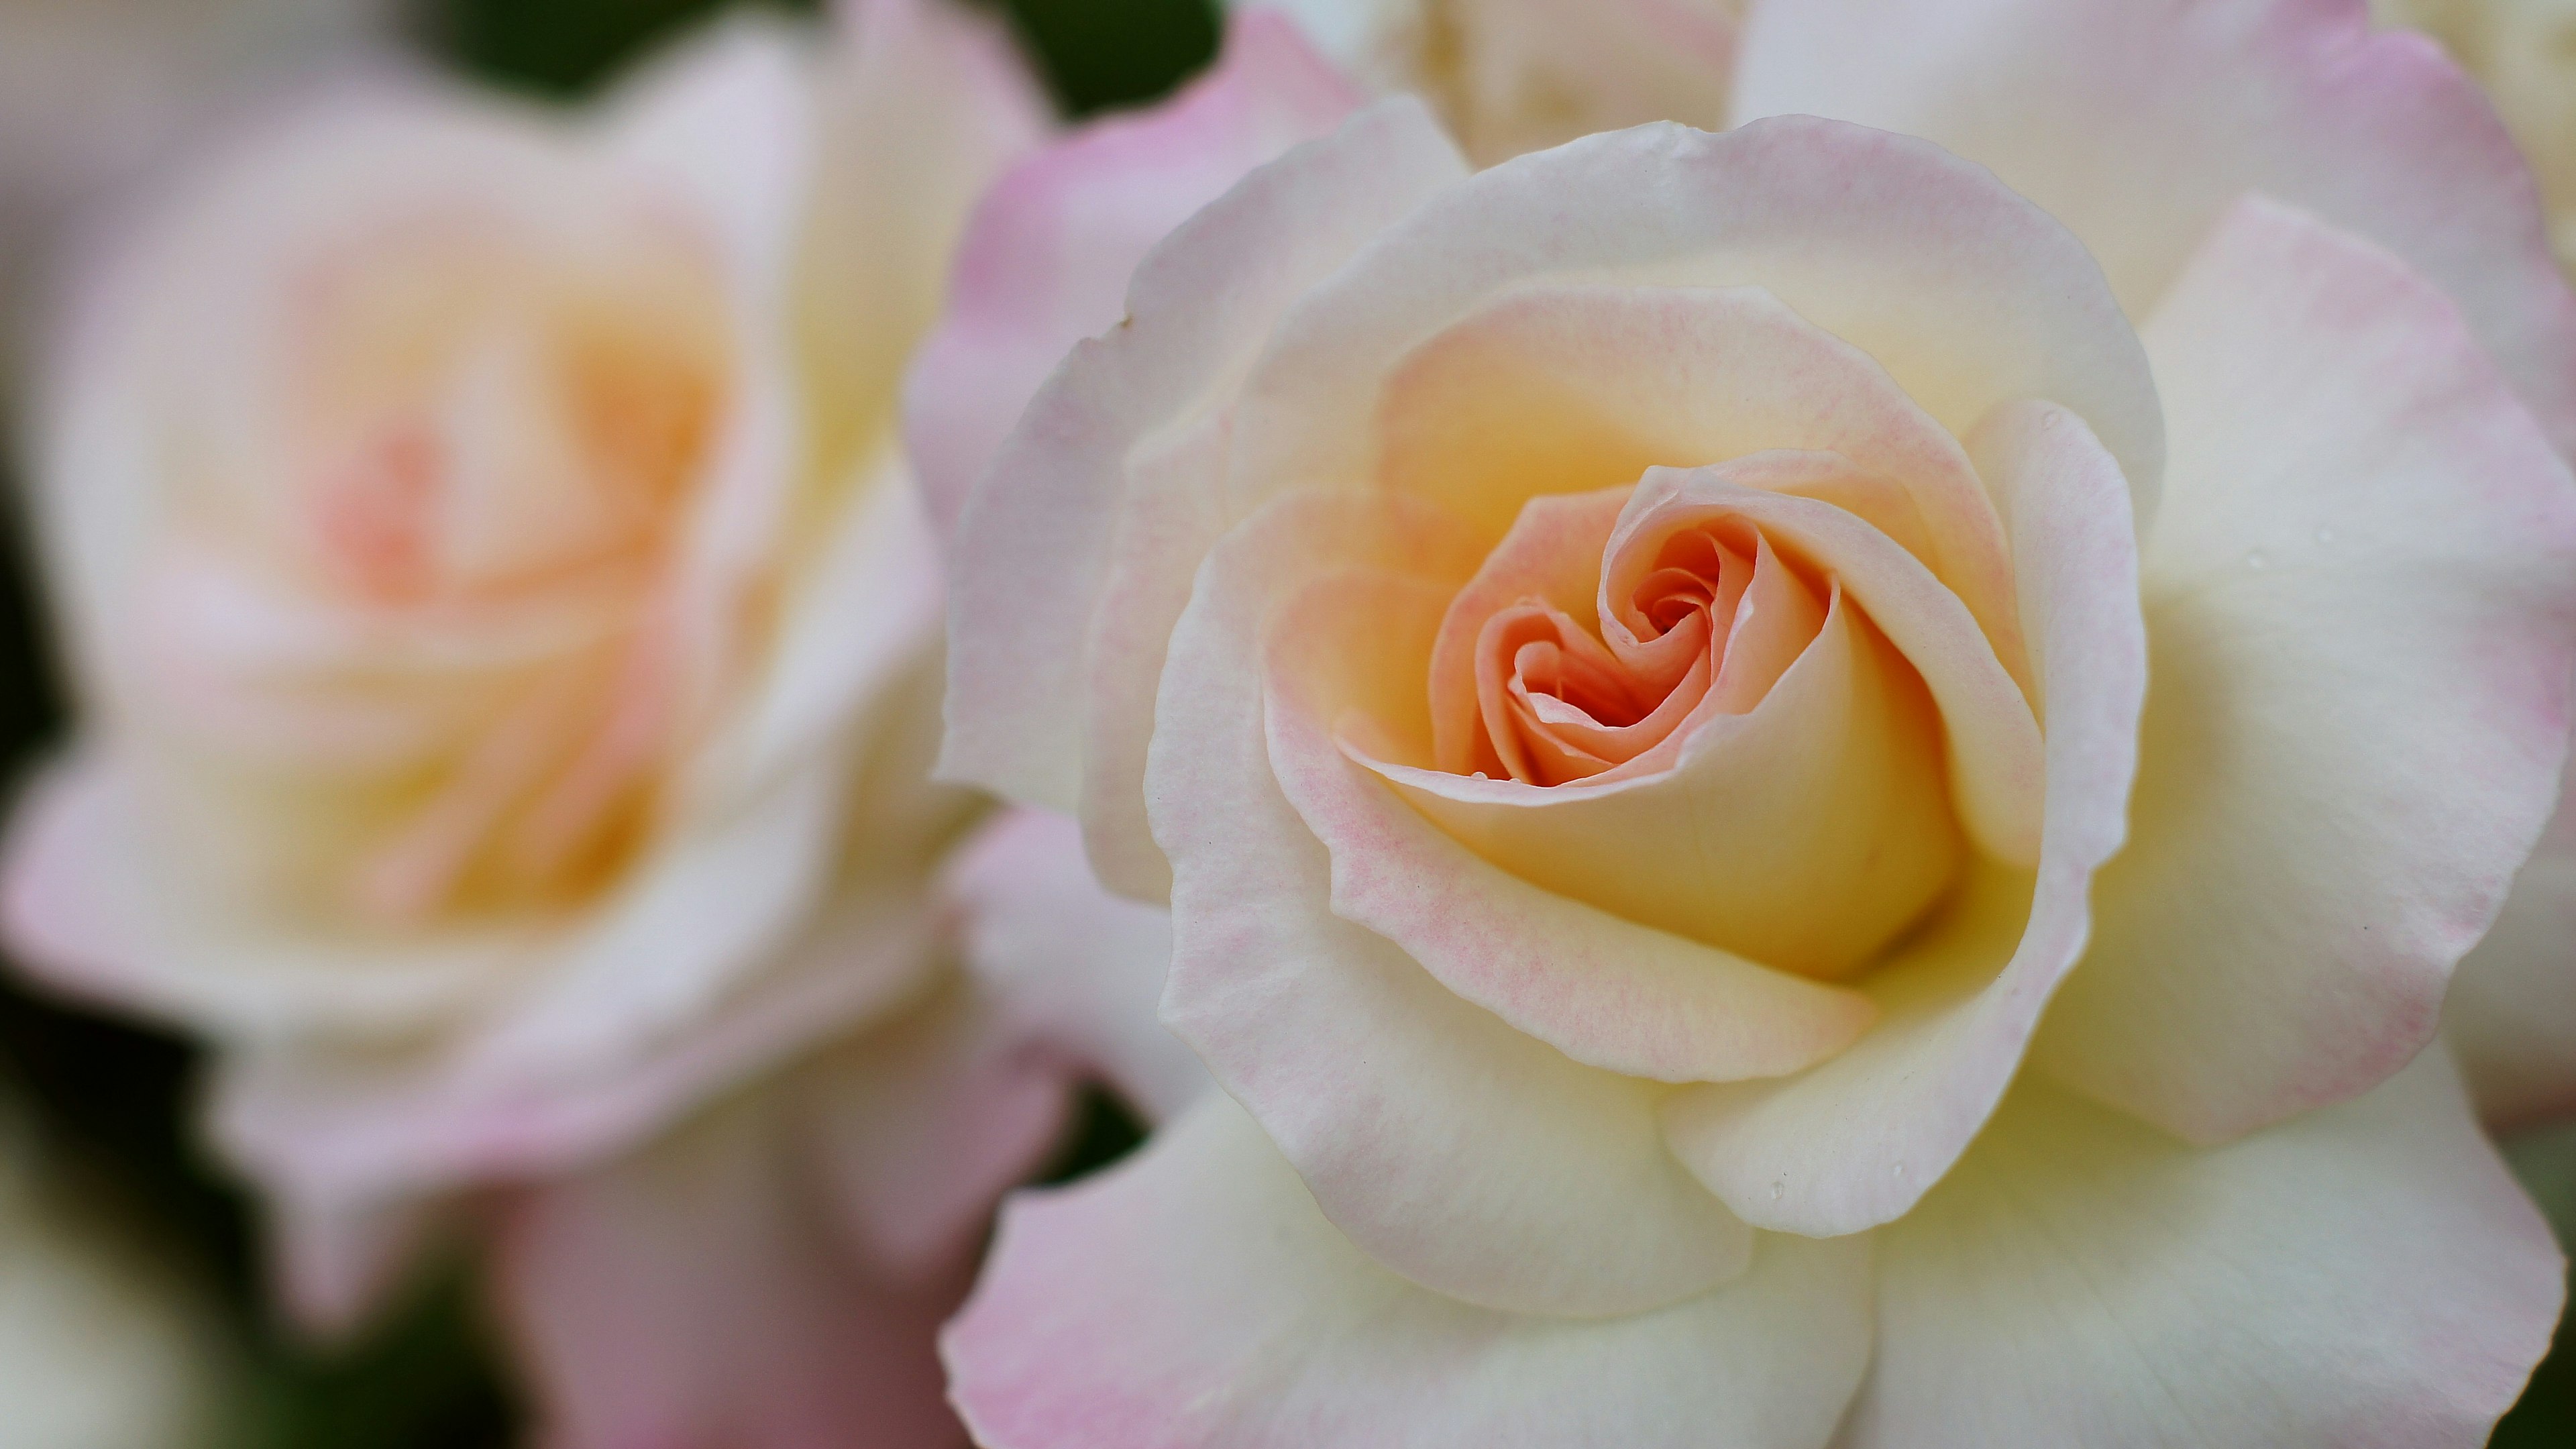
x: 119, y: 1101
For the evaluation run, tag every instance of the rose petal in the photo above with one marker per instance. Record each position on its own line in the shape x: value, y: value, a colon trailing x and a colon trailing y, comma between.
x: 1452, y: 1148
x: 2362, y: 601
x: 2511, y: 1013
x: 1035, y: 541
x: 919, y: 1126
x: 1195, y: 1299
x: 921, y: 104
x: 1966, y: 294
x: 2139, y: 126
x: 694, y: 1295
x: 2367, y: 1277
x: 1046, y: 259
x: 1079, y: 967
x: 1854, y: 1142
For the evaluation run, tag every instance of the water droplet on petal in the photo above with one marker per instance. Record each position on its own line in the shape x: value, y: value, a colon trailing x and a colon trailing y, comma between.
x: 1777, y: 1188
x: 1481, y: 775
x: 2048, y: 419
x: 1899, y: 1171
x: 2256, y: 558
x: 2325, y: 535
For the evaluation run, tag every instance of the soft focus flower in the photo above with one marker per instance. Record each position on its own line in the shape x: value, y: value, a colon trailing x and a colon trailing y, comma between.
x: 1517, y: 75
x: 507, y: 643
x: 1630, y: 668
x: 102, y: 1344
x: 2512, y: 1009
x: 93, y: 93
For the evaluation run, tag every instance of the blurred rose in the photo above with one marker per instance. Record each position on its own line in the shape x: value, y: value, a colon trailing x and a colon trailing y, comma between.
x: 103, y: 1345
x: 1630, y: 668
x: 94, y: 92
x: 507, y: 644
x: 1516, y: 75
x: 2512, y: 1010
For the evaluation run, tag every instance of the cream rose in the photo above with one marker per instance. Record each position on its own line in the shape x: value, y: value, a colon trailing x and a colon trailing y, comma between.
x: 1630, y: 668
x: 506, y: 640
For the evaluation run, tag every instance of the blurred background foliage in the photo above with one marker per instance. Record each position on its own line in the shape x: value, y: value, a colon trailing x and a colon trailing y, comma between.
x: 121, y: 1100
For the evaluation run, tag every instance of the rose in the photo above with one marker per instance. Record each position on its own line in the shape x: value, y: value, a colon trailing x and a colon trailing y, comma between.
x: 1786, y: 525
x: 506, y: 645
x: 102, y: 1344
x: 2512, y: 1008
x: 1517, y: 75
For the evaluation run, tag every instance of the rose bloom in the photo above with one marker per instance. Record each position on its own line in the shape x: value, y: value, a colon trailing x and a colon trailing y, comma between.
x: 506, y: 639
x: 1817, y: 783
x: 103, y: 1343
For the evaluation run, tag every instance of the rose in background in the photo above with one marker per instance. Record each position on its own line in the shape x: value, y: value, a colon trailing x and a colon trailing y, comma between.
x: 505, y: 641
x: 103, y: 1345
x: 94, y: 93
x: 1630, y: 669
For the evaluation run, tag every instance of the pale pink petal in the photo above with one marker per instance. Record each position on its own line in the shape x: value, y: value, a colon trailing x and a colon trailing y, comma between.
x: 2362, y: 602
x: 1195, y: 1299
x: 1036, y: 540
x: 1854, y: 1142
x: 1046, y: 258
x: 921, y: 1124
x: 1967, y: 295
x: 2138, y: 125
x: 1598, y: 986
x: 1453, y: 1148
x: 922, y: 103
x: 695, y: 1296
x: 2365, y: 1277
x: 333, y: 1267
x: 2511, y: 1013
x: 1079, y: 967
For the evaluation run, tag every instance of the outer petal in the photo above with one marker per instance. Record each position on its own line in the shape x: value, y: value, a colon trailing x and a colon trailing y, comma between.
x: 1036, y: 540
x: 2139, y: 124
x: 2367, y: 1277
x: 2511, y: 1012
x: 1854, y: 1142
x: 694, y: 1296
x: 1077, y: 966
x: 1454, y: 1149
x: 1195, y: 1299
x: 1966, y: 294
x: 2361, y: 599
x: 1046, y: 258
